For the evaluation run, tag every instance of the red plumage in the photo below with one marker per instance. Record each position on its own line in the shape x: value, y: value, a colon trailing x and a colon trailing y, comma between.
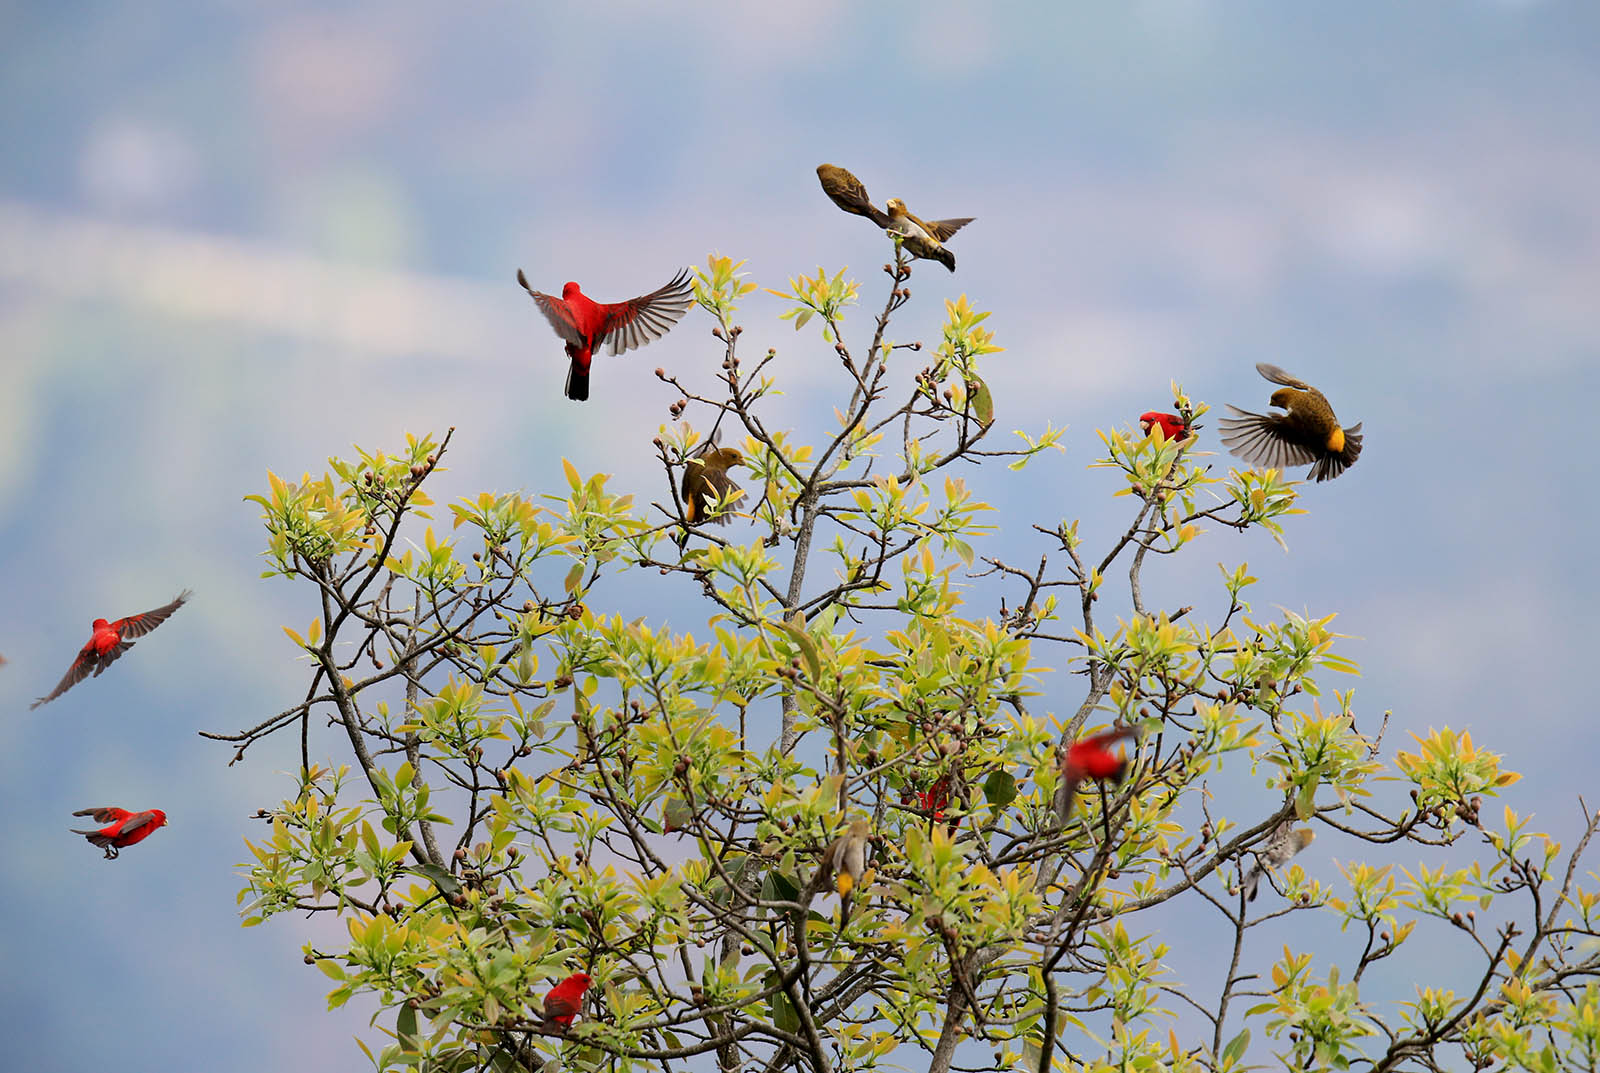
x: 1092, y: 758
x: 107, y: 642
x: 122, y: 828
x: 584, y: 324
x: 564, y: 1001
x: 1171, y: 425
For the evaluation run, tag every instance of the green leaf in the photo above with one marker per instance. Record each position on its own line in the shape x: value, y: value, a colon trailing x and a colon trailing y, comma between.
x: 441, y: 877
x: 1000, y: 788
x: 1235, y: 1049
x: 405, y: 1026
x: 982, y: 401
x: 803, y: 641
x: 784, y: 1017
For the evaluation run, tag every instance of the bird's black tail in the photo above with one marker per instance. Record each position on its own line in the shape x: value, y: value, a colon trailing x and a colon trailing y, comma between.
x: 1330, y: 466
x: 577, y: 382
x: 947, y: 258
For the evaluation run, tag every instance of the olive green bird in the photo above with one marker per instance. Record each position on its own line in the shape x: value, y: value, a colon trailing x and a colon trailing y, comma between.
x: 706, y: 484
x: 1285, y: 842
x: 1308, y: 433
x: 921, y: 238
x: 844, y: 862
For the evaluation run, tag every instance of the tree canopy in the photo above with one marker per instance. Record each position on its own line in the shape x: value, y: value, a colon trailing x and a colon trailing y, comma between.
x: 523, y: 782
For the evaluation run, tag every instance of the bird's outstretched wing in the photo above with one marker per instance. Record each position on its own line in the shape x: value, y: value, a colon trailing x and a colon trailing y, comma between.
x: 846, y: 191
x: 639, y: 320
x: 556, y: 311
x: 1264, y: 439
x: 1278, y: 376
x: 81, y: 668
x: 943, y: 229
x: 141, y: 624
x: 105, y: 814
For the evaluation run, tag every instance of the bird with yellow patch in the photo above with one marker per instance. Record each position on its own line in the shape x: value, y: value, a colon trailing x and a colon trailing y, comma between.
x: 1307, y: 434
x: 845, y: 862
x: 706, y: 484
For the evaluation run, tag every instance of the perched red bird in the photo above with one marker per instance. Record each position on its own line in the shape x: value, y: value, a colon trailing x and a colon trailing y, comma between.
x: 1091, y: 758
x: 122, y: 828
x: 1171, y: 425
x: 936, y: 798
x: 108, y: 642
x: 564, y: 1001
x: 584, y: 324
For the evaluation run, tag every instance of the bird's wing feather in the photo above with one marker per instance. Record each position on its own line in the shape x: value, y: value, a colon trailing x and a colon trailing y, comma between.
x: 1278, y: 376
x: 139, y: 625
x: 556, y: 311
x: 104, y: 814
x: 111, y: 657
x: 636, y: 322
x: 943, y: 229
x: 135, y: 823
x: 847, y: 192
x: 80, y: 669
x: 1261, y: 440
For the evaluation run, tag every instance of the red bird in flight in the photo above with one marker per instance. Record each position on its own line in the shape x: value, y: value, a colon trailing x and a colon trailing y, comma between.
x: 108, y: 642
x: 122, y: 828
x: 1092, y: 758
x: 564, y: 1001
x: 1172, y: 426
x: 584, y: 324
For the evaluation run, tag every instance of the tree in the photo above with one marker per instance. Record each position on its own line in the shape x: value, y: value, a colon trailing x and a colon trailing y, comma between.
x: 535, y: 786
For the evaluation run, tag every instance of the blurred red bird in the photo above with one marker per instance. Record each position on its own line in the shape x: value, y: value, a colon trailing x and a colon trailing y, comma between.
x: 107, y: 643
x: 122, y: 828
x: 1172, y: 426
x: 564, y: 1001
x: 1092, y: 758
x: 584, y: 324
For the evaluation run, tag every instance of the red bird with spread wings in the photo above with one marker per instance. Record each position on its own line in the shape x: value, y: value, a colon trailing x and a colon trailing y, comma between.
x: 564, y: 1001
x: 584, y: 324
x: 122, y: 828
x: 107, y: 643
x: 1092, y: 758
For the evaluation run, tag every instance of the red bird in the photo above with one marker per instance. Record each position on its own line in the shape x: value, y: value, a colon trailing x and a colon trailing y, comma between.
x: 122, y: 828
x: 564, y: 1001
x: 936, y: 798
x: 1092, y: 758
x: 1172, y: 426
x: 584, y: 323
x: 107, y: 644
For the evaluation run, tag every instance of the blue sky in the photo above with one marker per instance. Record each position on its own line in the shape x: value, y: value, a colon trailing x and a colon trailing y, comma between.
x: 243, y: 236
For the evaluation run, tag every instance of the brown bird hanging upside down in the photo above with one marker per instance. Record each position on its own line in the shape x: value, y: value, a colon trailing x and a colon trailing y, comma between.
x: 921, y: 238
x: 1308, y: 433
x: 706, y: 483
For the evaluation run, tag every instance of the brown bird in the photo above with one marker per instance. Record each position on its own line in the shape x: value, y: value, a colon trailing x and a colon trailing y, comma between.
x: 1308, y: 433
x: 924, y: 238
x: 845, y: 863
x: 1285, y: 842
x: 706, y: 483
x: 848, y: 193
x: 921, y: 238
